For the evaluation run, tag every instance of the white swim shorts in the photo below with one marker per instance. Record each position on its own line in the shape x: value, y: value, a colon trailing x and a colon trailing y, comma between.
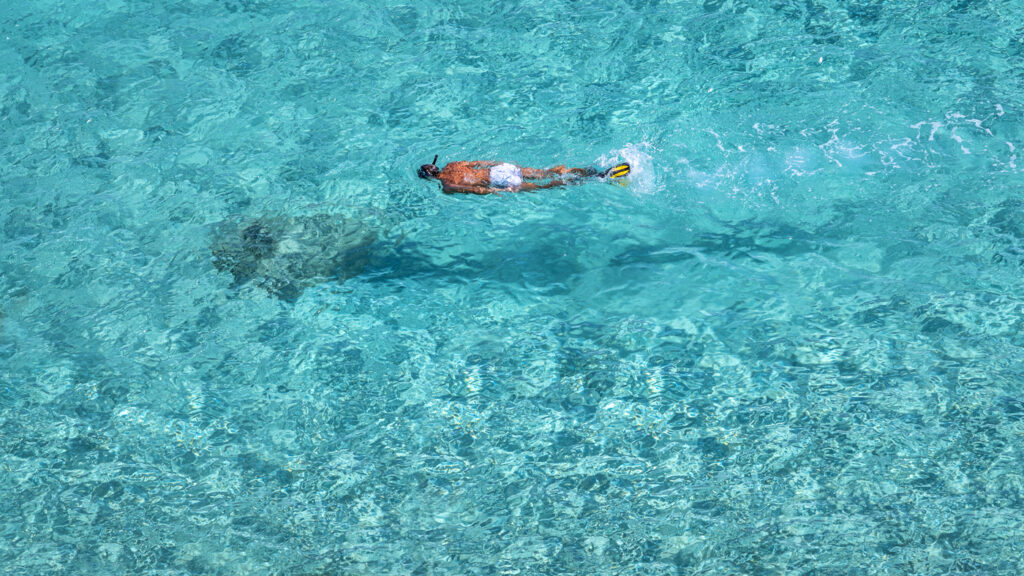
x: 506, y: 176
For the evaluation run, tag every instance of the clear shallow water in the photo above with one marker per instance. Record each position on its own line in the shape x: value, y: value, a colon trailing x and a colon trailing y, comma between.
x: 792, y: 344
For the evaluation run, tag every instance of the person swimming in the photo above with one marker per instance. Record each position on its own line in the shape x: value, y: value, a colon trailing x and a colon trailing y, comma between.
x: 483, y: 177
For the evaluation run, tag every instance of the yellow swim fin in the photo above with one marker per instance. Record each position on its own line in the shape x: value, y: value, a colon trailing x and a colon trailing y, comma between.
x: 617, y: 171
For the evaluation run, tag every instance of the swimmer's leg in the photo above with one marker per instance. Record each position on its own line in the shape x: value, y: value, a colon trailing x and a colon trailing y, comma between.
x: 545, y: 173
x: 536, y: 173
x: 531, y: 187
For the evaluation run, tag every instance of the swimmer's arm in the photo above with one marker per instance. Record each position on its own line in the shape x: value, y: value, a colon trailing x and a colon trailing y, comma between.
x: 468, y: 189
x: 481, y: 190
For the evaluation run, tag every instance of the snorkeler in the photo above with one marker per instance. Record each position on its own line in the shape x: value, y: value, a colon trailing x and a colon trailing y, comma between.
x: 493, y: 177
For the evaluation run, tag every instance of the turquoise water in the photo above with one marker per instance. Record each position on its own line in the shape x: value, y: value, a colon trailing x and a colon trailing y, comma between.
x: 791, y: 344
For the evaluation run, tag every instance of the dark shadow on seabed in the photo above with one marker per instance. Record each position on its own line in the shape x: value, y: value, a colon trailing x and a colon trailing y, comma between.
x: 284, y: 255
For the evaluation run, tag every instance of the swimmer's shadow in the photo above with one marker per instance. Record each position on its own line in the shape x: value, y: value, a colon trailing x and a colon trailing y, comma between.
x: 286, y: 255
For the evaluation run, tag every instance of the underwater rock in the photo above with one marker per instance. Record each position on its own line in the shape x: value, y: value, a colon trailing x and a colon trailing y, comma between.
x: 285, y: 255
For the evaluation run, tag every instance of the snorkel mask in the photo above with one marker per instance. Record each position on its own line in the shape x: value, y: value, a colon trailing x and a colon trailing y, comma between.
x: 428, y: 171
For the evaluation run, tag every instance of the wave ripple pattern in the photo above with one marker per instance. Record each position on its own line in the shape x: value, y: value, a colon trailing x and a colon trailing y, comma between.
x: 239, y: 336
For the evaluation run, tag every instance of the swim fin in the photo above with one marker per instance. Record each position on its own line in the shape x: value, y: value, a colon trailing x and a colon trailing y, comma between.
x: 617, y: 171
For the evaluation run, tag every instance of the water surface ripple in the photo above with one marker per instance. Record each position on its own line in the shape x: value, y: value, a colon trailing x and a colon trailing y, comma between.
x: 239, y: 336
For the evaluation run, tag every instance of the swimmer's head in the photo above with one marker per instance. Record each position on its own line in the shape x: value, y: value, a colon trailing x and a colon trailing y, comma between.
x: 428, y: 171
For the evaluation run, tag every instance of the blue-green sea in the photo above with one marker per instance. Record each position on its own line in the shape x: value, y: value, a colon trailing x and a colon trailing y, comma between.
x: 239, y: 336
